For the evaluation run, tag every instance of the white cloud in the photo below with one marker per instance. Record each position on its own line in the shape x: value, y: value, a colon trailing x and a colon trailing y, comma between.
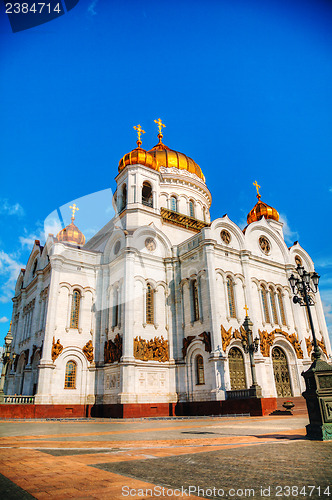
x: 289, y: 235
x: 50, y: 226
x: 4, y: 319
x: 9, y: 269
x: 7, y: 209
x: 92, y: 8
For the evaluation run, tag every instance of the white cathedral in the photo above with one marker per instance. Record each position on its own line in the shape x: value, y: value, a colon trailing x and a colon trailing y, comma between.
x: 146, y: 317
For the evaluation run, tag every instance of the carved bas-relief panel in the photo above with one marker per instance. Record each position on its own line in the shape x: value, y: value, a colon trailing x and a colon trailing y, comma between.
x: 204, y: 337
x: 113, y: 350
x: 294, y: 340
x: 151, y: 350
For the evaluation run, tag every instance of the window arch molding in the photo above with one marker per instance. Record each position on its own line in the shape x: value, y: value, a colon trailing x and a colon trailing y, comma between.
x: 230, y: 289
x: 192, y: 208
x: 174, y: 202
x: 147, y: 194
x: 263, y: 290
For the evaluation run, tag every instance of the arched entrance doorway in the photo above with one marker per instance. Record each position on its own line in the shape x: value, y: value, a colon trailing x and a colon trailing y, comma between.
x: 281, y: 373
x: 236, y: 369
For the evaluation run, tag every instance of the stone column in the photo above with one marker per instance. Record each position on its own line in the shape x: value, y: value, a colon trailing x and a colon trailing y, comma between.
x: 128, y: 304
x: 46, y: 365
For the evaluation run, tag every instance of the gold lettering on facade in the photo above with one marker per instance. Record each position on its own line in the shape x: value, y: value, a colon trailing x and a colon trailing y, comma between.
x: 151, y: 350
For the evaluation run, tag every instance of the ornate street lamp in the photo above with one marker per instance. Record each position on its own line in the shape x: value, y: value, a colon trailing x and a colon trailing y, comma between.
x: 250, y: 346
x: 318, y: 378
x: 6, y: 360
x: 301, y: 287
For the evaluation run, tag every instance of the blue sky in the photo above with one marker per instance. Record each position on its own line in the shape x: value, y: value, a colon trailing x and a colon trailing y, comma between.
x: 243, y: 86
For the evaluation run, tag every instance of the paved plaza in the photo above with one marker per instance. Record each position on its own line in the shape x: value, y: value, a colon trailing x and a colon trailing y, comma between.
x: 211, y: 457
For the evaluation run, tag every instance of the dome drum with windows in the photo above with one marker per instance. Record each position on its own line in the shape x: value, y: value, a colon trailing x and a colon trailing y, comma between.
x: 159, y: 156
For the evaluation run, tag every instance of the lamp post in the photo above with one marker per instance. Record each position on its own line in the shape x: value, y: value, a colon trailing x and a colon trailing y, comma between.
x: 318, y: 378
x: 250, y: 346
x: 301, y: 287
x: 6, y: 360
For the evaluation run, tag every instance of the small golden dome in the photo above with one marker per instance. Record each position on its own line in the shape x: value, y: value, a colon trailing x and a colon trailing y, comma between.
x: 260, y: 210
x: 138, y: 155
x: 71, y: 234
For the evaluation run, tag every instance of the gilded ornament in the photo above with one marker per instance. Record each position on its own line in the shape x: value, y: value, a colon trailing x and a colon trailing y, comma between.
x: 294, y: 340
x: 266, y: 342
x: 320, y: 343
x: 113, y: 350
x: 57, y: 349
x: 88, y: 351
x: 225, y: 236
x: 226, y: 337
x: 151, y: 350
x: 139, y: 132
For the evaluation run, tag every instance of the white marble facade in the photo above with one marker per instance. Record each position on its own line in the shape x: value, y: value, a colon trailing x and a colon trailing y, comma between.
x: 199, y: 283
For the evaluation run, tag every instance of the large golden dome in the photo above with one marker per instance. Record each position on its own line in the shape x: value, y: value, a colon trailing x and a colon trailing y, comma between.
x: 169, y: 158
x: 261, y: 209
x: 71, y: 234
x: 159, y: 156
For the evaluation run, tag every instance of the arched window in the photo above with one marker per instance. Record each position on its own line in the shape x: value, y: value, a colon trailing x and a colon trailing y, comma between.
x: 273, y: 306
x: 149, y: 305
x: 147, y: 198
x: 75, y: 309
x: 281, y: 308
x: 231, y: 301
x: 34, y: 269
x: 123, y: 198
x: 199, y: 370
x: 174, y: 204
x: 70, y: 376
x: 191, y: 208
x: 116, y: 308
x: 195, y: 300
x: 265, y: 306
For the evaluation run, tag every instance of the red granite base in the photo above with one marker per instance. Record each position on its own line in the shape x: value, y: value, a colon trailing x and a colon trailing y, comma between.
x: 253, y: 406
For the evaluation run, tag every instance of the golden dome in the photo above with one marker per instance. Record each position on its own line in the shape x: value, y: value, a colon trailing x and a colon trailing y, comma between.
x: 71, y: 234
x: 159, y: 156
x: 169, y: 158
x: 260, y: 210
x: 138, y: 155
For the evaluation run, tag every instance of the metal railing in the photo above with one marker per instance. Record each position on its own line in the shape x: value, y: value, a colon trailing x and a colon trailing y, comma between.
x: 240, y: 394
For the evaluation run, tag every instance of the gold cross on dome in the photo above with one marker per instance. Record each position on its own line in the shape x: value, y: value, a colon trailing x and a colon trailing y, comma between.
x: 246, y: 308
x: 160, y: 124
x: 257, y: 187
x: 139, y: 132
x: 73, y: 208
